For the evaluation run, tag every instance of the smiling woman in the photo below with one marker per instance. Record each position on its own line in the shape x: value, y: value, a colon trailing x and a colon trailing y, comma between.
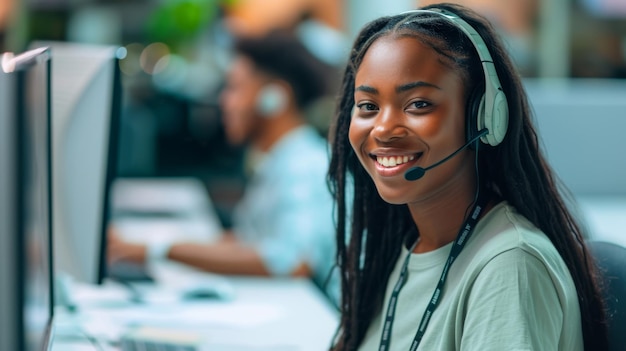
x: 479, y: 252
x: 408, y: 113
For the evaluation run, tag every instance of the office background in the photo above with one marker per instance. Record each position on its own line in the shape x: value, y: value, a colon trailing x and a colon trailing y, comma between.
x: 571, y: 53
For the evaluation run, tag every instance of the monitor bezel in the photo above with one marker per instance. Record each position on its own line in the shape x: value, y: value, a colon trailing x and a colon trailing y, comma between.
x: 22, y: 64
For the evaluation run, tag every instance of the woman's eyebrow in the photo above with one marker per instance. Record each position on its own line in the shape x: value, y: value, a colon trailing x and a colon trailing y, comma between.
x: 367, y: 89
x: 416, y: 84
x: 402, y: 88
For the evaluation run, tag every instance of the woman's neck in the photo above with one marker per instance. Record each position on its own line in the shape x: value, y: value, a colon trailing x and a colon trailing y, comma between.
x: 440, y: 217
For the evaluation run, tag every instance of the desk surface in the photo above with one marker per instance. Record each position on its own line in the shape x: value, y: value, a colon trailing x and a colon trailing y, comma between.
x: 265, y: 314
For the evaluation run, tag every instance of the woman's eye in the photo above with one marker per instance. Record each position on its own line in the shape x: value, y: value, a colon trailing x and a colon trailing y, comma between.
x: 420, y: 104
x: 367, y: 107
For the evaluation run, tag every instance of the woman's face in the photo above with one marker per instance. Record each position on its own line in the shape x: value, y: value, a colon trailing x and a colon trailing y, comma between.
x: 409, y: 111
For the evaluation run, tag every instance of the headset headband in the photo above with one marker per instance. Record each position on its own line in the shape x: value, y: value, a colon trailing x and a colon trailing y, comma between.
x: 495, y: 106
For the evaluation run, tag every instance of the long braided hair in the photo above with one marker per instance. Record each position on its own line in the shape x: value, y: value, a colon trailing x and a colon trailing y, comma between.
x: 370, y: 231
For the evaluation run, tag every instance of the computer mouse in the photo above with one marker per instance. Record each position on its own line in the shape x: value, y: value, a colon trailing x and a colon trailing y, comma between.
x: 201, y: 293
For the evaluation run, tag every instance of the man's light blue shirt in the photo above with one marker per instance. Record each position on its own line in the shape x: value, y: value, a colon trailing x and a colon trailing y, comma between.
x: 287, y: 209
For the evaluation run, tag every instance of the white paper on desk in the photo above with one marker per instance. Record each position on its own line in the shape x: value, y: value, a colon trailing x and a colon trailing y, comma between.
x: 158, y: 230
x: 233, y: 315
x: 179, y: 276
x: 108, y: 294
x: 207, y: 340
x: 231, y: 346
x: 225, y: 315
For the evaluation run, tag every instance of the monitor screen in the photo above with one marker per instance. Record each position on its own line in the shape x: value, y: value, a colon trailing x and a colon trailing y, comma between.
x: 25, y: 210
x: 86, y: 107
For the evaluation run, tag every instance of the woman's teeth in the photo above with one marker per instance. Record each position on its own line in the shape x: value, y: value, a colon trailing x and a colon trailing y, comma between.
x: 392, y: 161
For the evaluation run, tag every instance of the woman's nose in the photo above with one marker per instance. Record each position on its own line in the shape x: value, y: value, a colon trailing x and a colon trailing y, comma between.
x: 389, y: 125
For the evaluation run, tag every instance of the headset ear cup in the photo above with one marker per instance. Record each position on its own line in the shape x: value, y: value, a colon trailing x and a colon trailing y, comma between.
x: 271, y: 99
x: 474, y: 115
x: 499, y: 122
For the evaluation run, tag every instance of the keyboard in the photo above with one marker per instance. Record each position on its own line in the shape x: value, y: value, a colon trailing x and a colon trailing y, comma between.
x: 146, y: 345
x: 160, y: 339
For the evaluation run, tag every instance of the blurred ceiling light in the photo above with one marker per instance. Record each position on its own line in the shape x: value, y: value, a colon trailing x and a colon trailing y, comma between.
x: 171, y: 72
x: 151, y: 55
x: 120, y: 53
x: 161, y: 64
x: 129, y: 65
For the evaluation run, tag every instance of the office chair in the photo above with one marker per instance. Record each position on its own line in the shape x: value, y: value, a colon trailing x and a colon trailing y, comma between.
x: 611, y: 259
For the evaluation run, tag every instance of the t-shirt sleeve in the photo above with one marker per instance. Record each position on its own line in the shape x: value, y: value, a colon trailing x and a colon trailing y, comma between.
x: 513, y: 305
x: 301, y: 227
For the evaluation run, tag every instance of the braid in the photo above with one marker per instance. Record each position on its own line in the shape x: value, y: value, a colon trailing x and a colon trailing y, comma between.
x: 533, y: 189
x: 343, y: 163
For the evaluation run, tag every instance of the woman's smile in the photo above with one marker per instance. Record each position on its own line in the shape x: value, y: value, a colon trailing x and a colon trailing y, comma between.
x: 389, y: 165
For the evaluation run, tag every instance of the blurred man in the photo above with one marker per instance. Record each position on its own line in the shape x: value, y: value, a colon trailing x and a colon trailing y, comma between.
x: 283, y: 226
x: 6, y: 10
x: 259, y: 17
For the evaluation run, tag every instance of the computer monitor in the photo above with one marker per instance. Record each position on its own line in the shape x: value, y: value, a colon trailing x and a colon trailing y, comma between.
x: 86, y: 108
x: 26, y: 295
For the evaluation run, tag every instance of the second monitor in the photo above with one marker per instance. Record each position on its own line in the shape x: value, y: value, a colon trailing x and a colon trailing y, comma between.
x: 86, y: 108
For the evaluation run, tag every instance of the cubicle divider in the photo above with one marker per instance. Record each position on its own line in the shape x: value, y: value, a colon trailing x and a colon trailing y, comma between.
x: 581, y: 125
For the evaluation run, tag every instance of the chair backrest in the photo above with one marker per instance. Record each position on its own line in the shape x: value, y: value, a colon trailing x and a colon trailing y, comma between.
x: 611, y: 258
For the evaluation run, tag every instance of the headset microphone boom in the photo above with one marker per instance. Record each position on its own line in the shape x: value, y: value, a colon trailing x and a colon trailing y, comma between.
x: 416, y: 173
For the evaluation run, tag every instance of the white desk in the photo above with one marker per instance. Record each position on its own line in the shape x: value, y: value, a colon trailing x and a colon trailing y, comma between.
x: 265, y: 314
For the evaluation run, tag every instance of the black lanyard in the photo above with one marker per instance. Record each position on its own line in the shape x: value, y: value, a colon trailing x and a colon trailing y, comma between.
x: 459, y: 243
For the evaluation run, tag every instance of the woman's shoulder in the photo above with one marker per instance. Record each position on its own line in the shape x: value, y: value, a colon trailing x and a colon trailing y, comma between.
x: 504, y: 231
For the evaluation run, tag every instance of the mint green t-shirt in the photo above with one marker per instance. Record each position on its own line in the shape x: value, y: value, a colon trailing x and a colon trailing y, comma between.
x: 508, y: 290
